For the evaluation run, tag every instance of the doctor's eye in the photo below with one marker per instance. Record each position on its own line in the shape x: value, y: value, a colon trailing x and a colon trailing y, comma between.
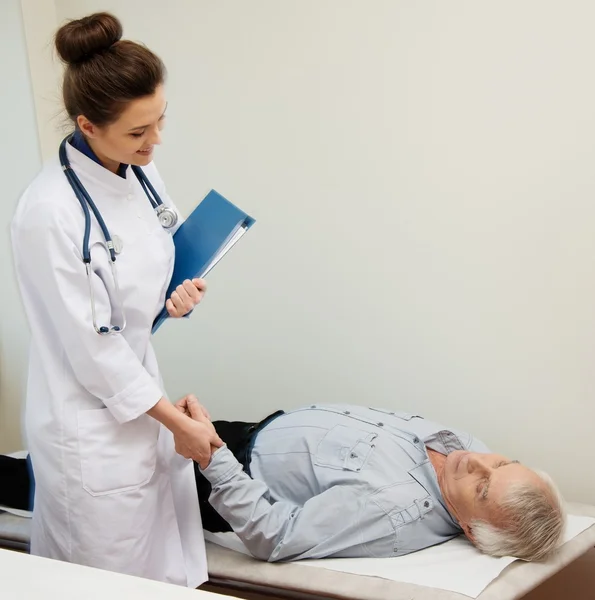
x: 137, y: 135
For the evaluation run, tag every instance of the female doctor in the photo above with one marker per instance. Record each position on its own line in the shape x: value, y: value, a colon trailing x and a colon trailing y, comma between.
x: 111, y: 492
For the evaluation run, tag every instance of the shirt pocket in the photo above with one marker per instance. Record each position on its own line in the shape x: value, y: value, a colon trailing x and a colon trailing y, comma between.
x: 406, y: 505
x: 345, y: 448
x: 116, y: 457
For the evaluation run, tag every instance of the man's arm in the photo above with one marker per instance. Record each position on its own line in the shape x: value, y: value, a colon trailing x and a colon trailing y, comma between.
x: 324, y: 525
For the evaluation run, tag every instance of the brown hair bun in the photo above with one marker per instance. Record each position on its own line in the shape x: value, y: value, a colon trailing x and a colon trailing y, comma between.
x: 79, y: 40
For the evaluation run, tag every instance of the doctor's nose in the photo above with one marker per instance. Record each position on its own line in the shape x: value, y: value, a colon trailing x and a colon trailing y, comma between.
x: 155, y: 137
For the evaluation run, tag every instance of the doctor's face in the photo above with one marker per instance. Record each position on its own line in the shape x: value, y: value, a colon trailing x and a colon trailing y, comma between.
x: 132, y: 138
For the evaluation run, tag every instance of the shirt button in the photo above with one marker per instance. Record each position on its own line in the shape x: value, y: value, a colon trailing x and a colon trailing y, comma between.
x: 426, y: 504
x: 380, y: 424
x: 353, y: 455
x: 347, y: 412
x: 313, y: 406
x: 416, y: 440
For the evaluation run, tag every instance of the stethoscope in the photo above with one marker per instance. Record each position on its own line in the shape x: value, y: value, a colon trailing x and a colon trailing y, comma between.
x: 167, y: 216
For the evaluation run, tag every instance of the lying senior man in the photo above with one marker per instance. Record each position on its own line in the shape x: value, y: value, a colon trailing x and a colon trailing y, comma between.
x: 348, y: 481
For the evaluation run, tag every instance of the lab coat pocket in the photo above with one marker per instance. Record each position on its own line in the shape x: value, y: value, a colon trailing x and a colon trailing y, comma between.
x: 116, y: 457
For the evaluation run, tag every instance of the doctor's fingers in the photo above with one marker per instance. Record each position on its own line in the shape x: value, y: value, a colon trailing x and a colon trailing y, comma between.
x: 189, y: 405
x: 194, y: 291
x: 171, y: 309
x: 196, y: 450
x: 216, y: 442
x: 196, y: 409
x: 182, y: 449
x: 201, y: 284
x: 182, y: 405
x: 182, y: 303
x: 201, y: 453
x: 208, y: 427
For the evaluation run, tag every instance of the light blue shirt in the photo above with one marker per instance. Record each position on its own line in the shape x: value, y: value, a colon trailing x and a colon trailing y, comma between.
x: 338, y: 481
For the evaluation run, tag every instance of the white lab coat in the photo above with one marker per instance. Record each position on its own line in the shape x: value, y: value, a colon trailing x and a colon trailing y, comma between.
x: 110, y: 490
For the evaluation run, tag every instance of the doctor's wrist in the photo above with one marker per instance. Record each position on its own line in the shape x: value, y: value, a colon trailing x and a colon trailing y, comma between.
x: 168, y: 415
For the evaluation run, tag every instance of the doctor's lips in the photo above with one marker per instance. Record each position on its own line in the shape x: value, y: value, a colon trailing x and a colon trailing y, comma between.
x: 146, y: 152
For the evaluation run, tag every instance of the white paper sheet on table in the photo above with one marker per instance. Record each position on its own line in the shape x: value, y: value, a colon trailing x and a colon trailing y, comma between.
x: 455, y: 565
x: 26, y: 514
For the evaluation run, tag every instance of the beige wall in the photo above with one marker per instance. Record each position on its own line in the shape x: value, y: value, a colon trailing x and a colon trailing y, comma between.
x: 421, y: 174
x: 19, y: 161
x: 40, y: 21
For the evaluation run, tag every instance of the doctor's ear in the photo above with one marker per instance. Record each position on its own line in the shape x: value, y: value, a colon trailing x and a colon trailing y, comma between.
x: 87, y: 128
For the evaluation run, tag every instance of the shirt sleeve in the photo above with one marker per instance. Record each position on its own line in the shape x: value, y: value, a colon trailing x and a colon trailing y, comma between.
x: 50, y: 264
x: 274, y: 531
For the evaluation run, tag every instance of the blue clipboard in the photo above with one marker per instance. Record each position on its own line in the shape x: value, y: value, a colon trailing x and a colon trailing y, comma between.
x: 203, y: 239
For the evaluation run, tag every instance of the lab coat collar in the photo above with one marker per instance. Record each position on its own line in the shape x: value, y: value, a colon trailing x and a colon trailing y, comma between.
x: 98, y: 172
x: 79, y: 141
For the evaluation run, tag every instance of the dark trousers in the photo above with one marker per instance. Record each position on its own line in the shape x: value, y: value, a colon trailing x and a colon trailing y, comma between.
x: 15, y: 483
x: 239, y: 438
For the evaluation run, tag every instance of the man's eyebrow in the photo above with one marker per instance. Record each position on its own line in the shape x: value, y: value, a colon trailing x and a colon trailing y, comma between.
x: 145, y: 126
x: 484, y: 494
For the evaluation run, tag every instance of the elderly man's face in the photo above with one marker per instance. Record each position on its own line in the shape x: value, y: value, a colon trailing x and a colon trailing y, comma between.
x: 475, y: 484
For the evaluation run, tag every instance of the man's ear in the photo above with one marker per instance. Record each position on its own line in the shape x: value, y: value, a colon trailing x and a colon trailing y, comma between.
x: 468, y: 530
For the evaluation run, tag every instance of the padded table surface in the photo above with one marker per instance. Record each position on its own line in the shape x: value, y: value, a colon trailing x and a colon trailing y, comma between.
x: 235, y: 570
x: 229, y: 568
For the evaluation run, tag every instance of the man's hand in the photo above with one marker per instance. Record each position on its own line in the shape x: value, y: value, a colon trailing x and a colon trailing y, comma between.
x: 196, y: 440
x: 190, y: 406
x: 185, y: 297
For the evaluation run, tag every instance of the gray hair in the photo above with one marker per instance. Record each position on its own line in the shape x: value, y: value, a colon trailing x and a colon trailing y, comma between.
x: 534, y: 522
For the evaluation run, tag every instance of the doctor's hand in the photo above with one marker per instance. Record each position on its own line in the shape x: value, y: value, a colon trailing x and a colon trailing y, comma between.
x: 190, y: 405
x: 195, y: 440
x: 185, y: 297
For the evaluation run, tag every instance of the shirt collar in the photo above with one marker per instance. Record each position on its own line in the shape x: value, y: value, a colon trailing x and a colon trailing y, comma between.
x: 426, y: 476
x: 79, y: 142
x: 444, y: 441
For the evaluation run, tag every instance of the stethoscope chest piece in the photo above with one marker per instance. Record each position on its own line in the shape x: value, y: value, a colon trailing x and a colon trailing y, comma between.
x: 118, y: 243
x: 168, y: 217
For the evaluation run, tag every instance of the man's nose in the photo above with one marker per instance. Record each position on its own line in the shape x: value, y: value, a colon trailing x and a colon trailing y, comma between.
x: 478, y: 464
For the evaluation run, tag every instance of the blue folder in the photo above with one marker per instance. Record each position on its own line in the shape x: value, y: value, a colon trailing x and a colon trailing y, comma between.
x: 203, y: 239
